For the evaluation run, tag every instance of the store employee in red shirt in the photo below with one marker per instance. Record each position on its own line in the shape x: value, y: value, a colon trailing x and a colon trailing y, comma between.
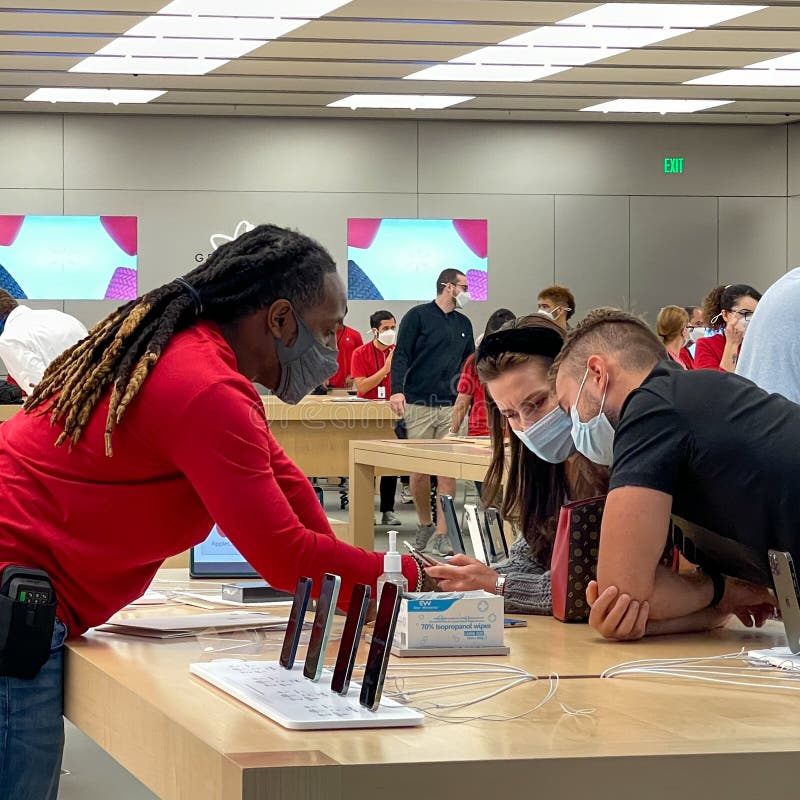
x: 371, y: 370
x: 348, y: 340
x: 146, y: 432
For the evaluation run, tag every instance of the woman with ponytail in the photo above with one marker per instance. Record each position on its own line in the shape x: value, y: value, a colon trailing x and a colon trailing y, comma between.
x: 146, y: 432
x: 728, y: 310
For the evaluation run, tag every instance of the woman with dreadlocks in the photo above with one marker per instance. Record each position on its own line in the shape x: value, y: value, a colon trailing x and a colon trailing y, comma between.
x: 147, y: 430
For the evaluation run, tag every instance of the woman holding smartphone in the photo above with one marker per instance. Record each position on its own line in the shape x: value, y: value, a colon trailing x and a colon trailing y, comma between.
x: 544, y: 469
x: 145, y: 432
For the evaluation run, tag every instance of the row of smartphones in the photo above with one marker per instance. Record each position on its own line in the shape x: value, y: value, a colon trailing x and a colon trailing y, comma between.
x: 380, y: 647
x: 486, y: 531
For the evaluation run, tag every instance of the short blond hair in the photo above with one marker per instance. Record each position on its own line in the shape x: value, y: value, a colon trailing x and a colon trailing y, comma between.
x: 670, y: 322
x: 561, y: 296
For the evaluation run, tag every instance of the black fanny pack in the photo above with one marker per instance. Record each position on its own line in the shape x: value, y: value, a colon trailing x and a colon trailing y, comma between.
x: 27, y: 620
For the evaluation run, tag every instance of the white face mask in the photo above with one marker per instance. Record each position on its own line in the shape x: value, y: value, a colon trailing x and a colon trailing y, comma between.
x: 595, y: 437
x: 550, y: 438
x: 462, y: 299
x: 696, y: 334
x: 553, y: 315
x: 387, y: 337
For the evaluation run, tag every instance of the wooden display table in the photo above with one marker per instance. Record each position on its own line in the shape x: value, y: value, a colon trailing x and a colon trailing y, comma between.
x: 648, y: 737
x: 451, y: 458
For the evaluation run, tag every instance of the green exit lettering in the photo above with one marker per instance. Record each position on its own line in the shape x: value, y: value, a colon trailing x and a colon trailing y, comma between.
x: 673, y: 166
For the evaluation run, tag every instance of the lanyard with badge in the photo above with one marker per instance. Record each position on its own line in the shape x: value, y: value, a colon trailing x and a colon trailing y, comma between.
x: 378, y: 367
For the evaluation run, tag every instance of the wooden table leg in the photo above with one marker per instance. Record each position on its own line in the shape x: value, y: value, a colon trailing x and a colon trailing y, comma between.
x: 362, y: 502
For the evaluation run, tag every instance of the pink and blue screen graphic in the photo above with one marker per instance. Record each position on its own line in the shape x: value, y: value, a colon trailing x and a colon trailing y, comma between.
x: 69, y: 258
x: 400, y: 259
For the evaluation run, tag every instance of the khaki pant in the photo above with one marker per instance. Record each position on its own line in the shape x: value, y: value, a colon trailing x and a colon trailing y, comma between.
x: 428, y: 422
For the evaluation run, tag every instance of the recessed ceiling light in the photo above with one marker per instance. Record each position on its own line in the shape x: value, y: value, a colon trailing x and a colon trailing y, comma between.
x: 411, y: 101
x: 661, y: 15
x: 536, y: 56
x: 169, y: 44
x: 483, y: 72
x: 655, y: 106
x: 601, y: 32
x: 115, y: 96
x: 137, y: 46
x: 214, y: 27
x: 305, y: 9
x: 127, y: 65
x: 780, y: 71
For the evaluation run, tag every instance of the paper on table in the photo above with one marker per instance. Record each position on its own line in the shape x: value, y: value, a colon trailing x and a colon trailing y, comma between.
x: 150, y: 598
x: 186, y: 625
x: 211, y: 601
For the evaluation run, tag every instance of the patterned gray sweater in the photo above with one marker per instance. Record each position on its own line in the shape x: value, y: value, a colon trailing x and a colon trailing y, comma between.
x: 527, y: 588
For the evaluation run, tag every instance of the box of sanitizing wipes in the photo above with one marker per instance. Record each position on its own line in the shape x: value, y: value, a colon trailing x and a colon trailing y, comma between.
x: 450, y: 619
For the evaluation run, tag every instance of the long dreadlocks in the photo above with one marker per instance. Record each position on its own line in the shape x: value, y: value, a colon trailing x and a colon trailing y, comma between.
x: 253, y: 271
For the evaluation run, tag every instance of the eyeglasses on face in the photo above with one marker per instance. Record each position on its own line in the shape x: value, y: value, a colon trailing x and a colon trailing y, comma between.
x: 744, y: 314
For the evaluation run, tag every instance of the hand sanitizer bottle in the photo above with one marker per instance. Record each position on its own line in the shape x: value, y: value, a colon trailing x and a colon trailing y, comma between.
x: 392, y: 568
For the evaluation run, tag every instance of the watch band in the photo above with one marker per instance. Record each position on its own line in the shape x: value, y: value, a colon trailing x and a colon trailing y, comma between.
x: 500, y: 585
x: 719, y: 588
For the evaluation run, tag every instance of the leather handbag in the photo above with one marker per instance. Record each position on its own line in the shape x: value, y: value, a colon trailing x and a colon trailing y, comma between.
x: 574, y: 560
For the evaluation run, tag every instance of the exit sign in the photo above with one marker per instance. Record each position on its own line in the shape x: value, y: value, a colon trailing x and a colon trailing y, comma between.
x: 673, y: 166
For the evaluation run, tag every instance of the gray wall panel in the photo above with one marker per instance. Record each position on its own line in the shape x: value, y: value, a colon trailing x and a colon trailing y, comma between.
x: 240, y: 154
x: 752, y: 240
x: 520, y: 246
x: 794, y: 232
x: 31, y: 148
x: 31, y: 201
x: 592, y: 250
x: 601, y: 159
x: 794, y: 158
x: 673, y: 251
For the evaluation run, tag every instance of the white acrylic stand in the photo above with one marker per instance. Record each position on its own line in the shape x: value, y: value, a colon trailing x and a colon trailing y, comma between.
x: 293, y: 701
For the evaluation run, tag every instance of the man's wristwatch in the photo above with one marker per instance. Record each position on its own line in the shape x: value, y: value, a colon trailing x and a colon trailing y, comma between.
x: 500, y: 585
x: 719, y: 588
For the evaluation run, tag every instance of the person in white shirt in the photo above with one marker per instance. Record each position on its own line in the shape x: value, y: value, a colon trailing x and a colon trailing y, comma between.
x: 31, y: 339
x: 771, y: 350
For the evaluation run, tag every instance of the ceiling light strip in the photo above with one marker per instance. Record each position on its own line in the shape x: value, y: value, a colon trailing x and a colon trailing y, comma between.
x: 608, y: 30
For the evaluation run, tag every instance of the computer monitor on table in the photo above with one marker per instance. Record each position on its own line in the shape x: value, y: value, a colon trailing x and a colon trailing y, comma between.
x: 216, y: 557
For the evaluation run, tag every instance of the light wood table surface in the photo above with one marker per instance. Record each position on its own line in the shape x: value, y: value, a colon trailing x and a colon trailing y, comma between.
x: 647, y: 738
x: 451, y: 458
x: 8, y: 411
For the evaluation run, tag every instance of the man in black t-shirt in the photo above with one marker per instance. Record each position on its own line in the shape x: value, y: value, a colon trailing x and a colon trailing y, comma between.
x: 433, y: 343
x: 707, y: 446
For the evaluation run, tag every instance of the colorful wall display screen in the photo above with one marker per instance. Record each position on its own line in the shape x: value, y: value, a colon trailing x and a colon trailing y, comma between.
x: 400, y: 259
x: 69, y: 258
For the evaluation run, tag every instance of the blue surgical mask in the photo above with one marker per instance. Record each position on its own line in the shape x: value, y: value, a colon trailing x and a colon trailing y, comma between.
x: 304, y: 365
x: 550, y: 438
x: 595, y: 437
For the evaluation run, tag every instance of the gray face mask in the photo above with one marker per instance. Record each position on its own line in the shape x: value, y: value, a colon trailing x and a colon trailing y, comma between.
x: 305, y: 365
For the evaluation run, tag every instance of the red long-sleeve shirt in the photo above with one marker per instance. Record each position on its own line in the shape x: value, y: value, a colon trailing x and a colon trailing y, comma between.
x: 193, y: 446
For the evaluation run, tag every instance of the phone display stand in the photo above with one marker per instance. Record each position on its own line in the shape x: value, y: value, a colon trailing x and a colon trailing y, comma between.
x: 294, y: 702
x: 444, y: 652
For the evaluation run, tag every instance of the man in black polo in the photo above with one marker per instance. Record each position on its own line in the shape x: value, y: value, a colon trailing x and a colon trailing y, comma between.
x: 707, y: 446
x: 433, y: 343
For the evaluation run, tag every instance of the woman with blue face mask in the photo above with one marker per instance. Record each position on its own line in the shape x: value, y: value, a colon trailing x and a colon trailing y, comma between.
x: 544, y: 469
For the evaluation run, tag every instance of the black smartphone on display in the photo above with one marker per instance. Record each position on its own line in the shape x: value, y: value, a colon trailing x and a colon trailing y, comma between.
x: 497, y: 536
x: 295, y: 625
x: 321, y: 627
x: 453, y: 528
x: 380, y: 647
x: 351, y: 638
x: 784, y: 578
